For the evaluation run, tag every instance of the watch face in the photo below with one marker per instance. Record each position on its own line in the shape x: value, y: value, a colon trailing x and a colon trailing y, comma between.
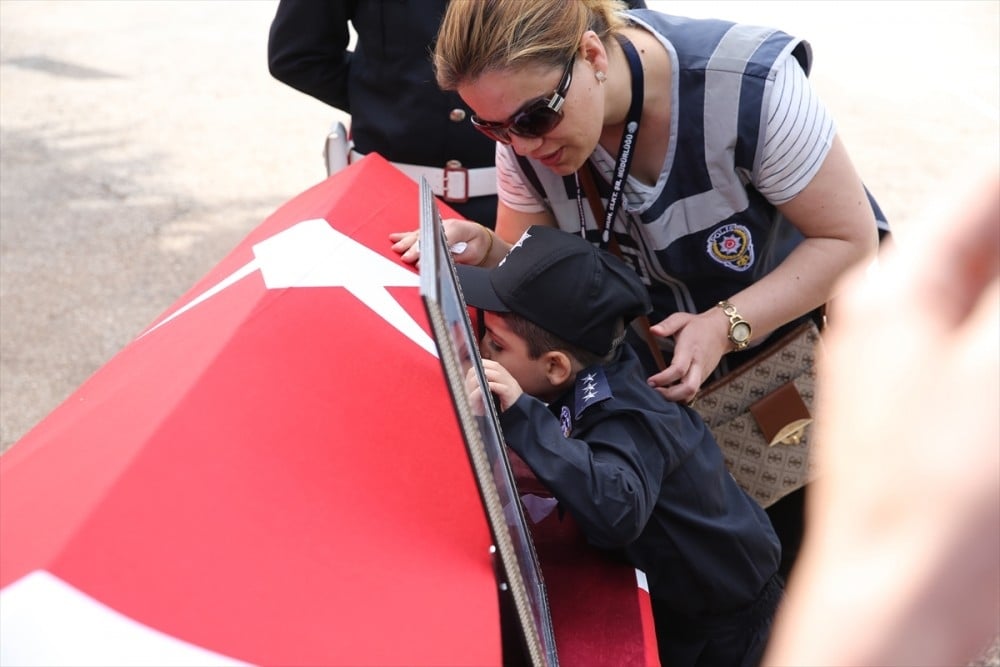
x: 740, y: 332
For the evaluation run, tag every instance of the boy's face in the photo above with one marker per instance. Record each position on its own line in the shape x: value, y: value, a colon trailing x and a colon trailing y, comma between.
x: 511, y: 351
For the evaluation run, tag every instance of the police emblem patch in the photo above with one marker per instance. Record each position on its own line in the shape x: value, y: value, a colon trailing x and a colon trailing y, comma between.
x: 566, y: 421
x: 732, y: 246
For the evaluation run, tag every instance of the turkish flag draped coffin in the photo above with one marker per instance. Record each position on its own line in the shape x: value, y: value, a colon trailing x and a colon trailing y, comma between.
x: 272, y: 473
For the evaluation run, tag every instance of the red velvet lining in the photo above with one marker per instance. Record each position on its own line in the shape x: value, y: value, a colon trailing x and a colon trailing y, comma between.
x: 600, y: 615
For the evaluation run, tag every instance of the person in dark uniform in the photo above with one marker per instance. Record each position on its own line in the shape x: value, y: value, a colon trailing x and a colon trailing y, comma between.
x: 387, y: 84
x: 639, y: 474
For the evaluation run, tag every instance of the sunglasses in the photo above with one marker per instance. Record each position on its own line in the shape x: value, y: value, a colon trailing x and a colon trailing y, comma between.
x: 535, y: 118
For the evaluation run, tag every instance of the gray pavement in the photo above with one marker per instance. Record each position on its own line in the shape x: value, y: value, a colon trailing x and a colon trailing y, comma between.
x: 140, y: 141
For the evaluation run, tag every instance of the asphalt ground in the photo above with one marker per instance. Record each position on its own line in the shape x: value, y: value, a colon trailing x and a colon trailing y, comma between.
x: 140, y: 141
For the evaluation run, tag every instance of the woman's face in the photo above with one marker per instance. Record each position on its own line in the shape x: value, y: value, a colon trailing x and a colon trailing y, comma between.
x: 497, y: 95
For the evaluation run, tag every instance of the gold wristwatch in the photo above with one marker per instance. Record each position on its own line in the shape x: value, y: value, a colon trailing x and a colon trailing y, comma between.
x: 739, y: 328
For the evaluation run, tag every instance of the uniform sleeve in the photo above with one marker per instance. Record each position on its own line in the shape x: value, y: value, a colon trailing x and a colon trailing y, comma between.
x: 607, y: 482
x: 307, y: 49
x: 797, y: 137
x: 511, y: 187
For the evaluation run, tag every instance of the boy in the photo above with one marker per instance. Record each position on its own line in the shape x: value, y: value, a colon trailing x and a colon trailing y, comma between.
x: 638, y: 473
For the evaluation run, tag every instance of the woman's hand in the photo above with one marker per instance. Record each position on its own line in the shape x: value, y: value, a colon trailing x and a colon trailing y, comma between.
x: 698, y: 347
x: 475, y: 237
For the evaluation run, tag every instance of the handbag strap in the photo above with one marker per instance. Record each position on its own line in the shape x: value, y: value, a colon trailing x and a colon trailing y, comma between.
x: 597, y: 208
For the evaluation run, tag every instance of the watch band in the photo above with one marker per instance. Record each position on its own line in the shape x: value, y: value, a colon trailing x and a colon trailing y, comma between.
x: 739, y: 328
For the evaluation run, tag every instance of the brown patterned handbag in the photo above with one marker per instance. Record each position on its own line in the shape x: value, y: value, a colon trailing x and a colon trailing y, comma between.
x: 760, y: 413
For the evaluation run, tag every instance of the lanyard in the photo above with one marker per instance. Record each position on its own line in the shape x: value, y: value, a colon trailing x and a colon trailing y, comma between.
x: 624, y: 161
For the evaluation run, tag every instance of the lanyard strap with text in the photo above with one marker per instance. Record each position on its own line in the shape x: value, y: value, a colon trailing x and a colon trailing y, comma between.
x: 624, y: 161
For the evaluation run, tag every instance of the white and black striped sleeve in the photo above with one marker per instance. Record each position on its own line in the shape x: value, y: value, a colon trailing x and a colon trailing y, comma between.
x: 797, y: 137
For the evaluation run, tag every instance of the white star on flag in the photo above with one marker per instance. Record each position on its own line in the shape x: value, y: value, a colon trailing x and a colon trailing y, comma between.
x: 314, y: 254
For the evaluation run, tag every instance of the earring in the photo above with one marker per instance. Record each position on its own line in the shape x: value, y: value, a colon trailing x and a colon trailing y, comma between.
x: 600, y: 76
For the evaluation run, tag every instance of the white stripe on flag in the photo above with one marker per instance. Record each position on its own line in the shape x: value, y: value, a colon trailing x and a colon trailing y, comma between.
x: 640, y: 578
x: 44, y: 621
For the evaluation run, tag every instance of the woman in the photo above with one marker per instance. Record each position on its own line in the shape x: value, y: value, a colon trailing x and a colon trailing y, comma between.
x: 727, y: 181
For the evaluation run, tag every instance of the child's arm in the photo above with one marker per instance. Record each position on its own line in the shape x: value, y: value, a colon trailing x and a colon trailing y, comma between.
x: 609, y: 482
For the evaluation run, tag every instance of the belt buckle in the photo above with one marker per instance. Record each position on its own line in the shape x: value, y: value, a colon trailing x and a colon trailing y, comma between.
x: 455, y: 177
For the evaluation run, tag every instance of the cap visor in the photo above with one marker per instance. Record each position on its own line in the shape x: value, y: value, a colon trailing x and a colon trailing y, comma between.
x: 477, y: 288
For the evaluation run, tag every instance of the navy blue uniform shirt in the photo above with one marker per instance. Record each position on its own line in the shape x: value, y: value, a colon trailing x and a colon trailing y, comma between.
x: 644, y: 475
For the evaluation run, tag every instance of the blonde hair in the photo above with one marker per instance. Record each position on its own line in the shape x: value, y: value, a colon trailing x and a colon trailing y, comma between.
x: 478, y: 36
